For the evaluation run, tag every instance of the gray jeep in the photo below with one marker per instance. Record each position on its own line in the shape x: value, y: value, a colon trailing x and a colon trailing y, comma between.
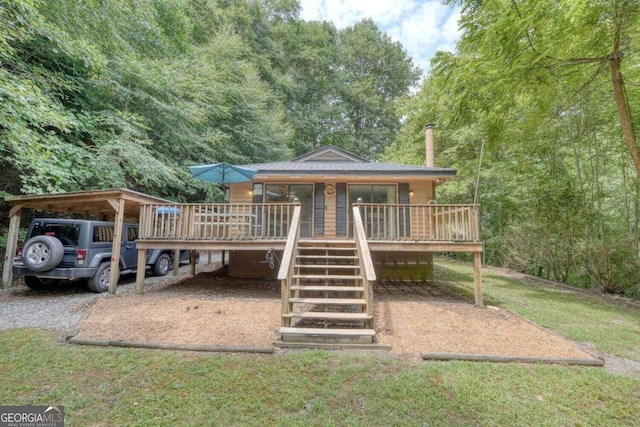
x: 70, y: 249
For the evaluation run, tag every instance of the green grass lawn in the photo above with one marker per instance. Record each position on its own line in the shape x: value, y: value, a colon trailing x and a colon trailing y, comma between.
x: 609, y: 327
x: 117, y: 386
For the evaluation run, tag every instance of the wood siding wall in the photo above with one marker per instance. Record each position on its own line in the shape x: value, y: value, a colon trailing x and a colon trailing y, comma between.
x: 328, y: 226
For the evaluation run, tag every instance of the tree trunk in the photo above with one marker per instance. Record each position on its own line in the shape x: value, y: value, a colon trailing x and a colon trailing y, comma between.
x: 621, y: 99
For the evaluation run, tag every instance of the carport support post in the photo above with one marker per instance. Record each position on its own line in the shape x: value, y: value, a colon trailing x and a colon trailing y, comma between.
x: 142, y: 264
x: 12, y: 243
x: 477, y: 277
x: 117, y: 241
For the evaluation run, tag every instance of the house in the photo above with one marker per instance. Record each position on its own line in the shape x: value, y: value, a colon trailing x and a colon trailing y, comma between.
x: 328, y: 224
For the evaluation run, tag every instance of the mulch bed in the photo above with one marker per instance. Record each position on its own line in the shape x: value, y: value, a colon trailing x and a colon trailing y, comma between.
x: 211, y: 309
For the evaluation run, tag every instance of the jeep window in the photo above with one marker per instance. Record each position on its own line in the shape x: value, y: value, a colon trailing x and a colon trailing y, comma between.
x: 132, y: 234
x: 103, y: 234
x: 67, y: 233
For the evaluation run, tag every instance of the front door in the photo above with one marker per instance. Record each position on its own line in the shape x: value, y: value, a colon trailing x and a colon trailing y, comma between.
x: 379, y: 221
x: 286, y: 193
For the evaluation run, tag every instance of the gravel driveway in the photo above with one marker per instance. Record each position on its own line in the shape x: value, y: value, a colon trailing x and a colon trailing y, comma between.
x: 61, y: 310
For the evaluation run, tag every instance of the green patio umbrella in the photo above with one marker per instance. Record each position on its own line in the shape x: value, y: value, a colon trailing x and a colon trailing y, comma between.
x: 222, y: 173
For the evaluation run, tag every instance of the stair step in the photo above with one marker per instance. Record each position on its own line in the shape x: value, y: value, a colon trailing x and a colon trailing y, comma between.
x: 326, y: 242
x: 327, y: 331
x: 328, y: 256
x: 326, y: 276
x: 329, y: 301
x: 327, y: 336
x: 327, y: 288
x: 329, y: 266
x: 334, y: 346
x: 327, y: 248
x: 327, y: 315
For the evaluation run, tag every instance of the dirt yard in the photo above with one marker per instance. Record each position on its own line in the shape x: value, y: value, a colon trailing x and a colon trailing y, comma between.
x: 211, y: 309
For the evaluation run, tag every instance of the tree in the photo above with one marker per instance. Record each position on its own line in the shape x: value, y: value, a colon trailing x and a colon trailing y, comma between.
x: 531, y: 38
x: 373, y: 71
x: 128, y: 94
x: 41, y: 67
x: 117, y: 93
x: 338, y: 87
x: 554, y: 188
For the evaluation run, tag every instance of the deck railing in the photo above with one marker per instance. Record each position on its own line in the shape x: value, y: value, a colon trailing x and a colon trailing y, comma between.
x: 366, y: 262
x: 287, y: 265
x: 215, y: 221
x: 271, y: 221
x: 442, y: 223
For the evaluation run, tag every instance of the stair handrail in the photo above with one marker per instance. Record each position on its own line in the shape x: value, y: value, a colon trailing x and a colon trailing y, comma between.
x: 366, y: 262
x: 285, y: 273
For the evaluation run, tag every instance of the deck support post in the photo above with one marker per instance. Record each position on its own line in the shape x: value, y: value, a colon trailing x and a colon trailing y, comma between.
x: 142, y: 264
x: 12, y: 243
x: 477, y: 278
x: 192, y: 262
x: 176, y: 262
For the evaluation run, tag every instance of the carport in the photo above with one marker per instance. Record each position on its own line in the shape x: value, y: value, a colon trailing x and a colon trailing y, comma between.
x: 108, y: 205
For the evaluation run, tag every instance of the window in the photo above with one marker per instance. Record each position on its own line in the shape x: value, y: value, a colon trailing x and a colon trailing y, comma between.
x: 103, y: 233
x: 385, y: 194
x: 67, y: 233
x: 132, y: 234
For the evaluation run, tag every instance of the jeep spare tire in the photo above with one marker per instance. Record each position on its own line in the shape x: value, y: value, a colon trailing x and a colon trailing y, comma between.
x: 42, y: 253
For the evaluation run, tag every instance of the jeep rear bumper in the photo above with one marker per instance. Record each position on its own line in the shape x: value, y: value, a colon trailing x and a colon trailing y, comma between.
x: 56, y: 273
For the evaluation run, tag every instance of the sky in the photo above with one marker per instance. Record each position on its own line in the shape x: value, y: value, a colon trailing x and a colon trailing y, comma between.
x: 421, y: 26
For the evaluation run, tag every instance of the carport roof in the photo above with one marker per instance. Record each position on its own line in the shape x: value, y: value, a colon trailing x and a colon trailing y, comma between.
x: 102, y: 203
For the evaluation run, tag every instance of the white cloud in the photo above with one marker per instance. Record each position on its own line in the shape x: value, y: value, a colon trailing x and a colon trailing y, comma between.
x: 421, y: 26
x: 345, y: 12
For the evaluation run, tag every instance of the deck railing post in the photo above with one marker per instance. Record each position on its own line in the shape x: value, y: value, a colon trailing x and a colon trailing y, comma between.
x: 476, y: 223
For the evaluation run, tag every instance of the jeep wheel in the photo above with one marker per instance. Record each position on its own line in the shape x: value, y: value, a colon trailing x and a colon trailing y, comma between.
x: 38, y: 284
x: 161, y: 267
x: 42, y: 253
x: 101, y: 280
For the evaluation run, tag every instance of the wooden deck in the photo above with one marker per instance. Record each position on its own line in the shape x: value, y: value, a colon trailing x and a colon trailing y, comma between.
x: 325, y: 281
x: 326, y: 284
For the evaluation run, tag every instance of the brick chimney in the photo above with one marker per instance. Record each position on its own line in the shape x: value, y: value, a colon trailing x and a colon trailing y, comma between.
x: 429, y: 142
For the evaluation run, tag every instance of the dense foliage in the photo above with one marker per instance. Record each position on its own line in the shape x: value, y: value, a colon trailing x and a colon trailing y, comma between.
x: 119, y: 93
x: 531, y: 91
x: 101, y: 94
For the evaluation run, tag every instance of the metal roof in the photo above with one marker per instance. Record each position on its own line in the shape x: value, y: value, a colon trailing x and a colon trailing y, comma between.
x: 346, y: 168
x: 334, y: 160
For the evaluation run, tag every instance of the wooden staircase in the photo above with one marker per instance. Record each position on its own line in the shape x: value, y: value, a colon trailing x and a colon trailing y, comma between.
x: 326, y: 301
